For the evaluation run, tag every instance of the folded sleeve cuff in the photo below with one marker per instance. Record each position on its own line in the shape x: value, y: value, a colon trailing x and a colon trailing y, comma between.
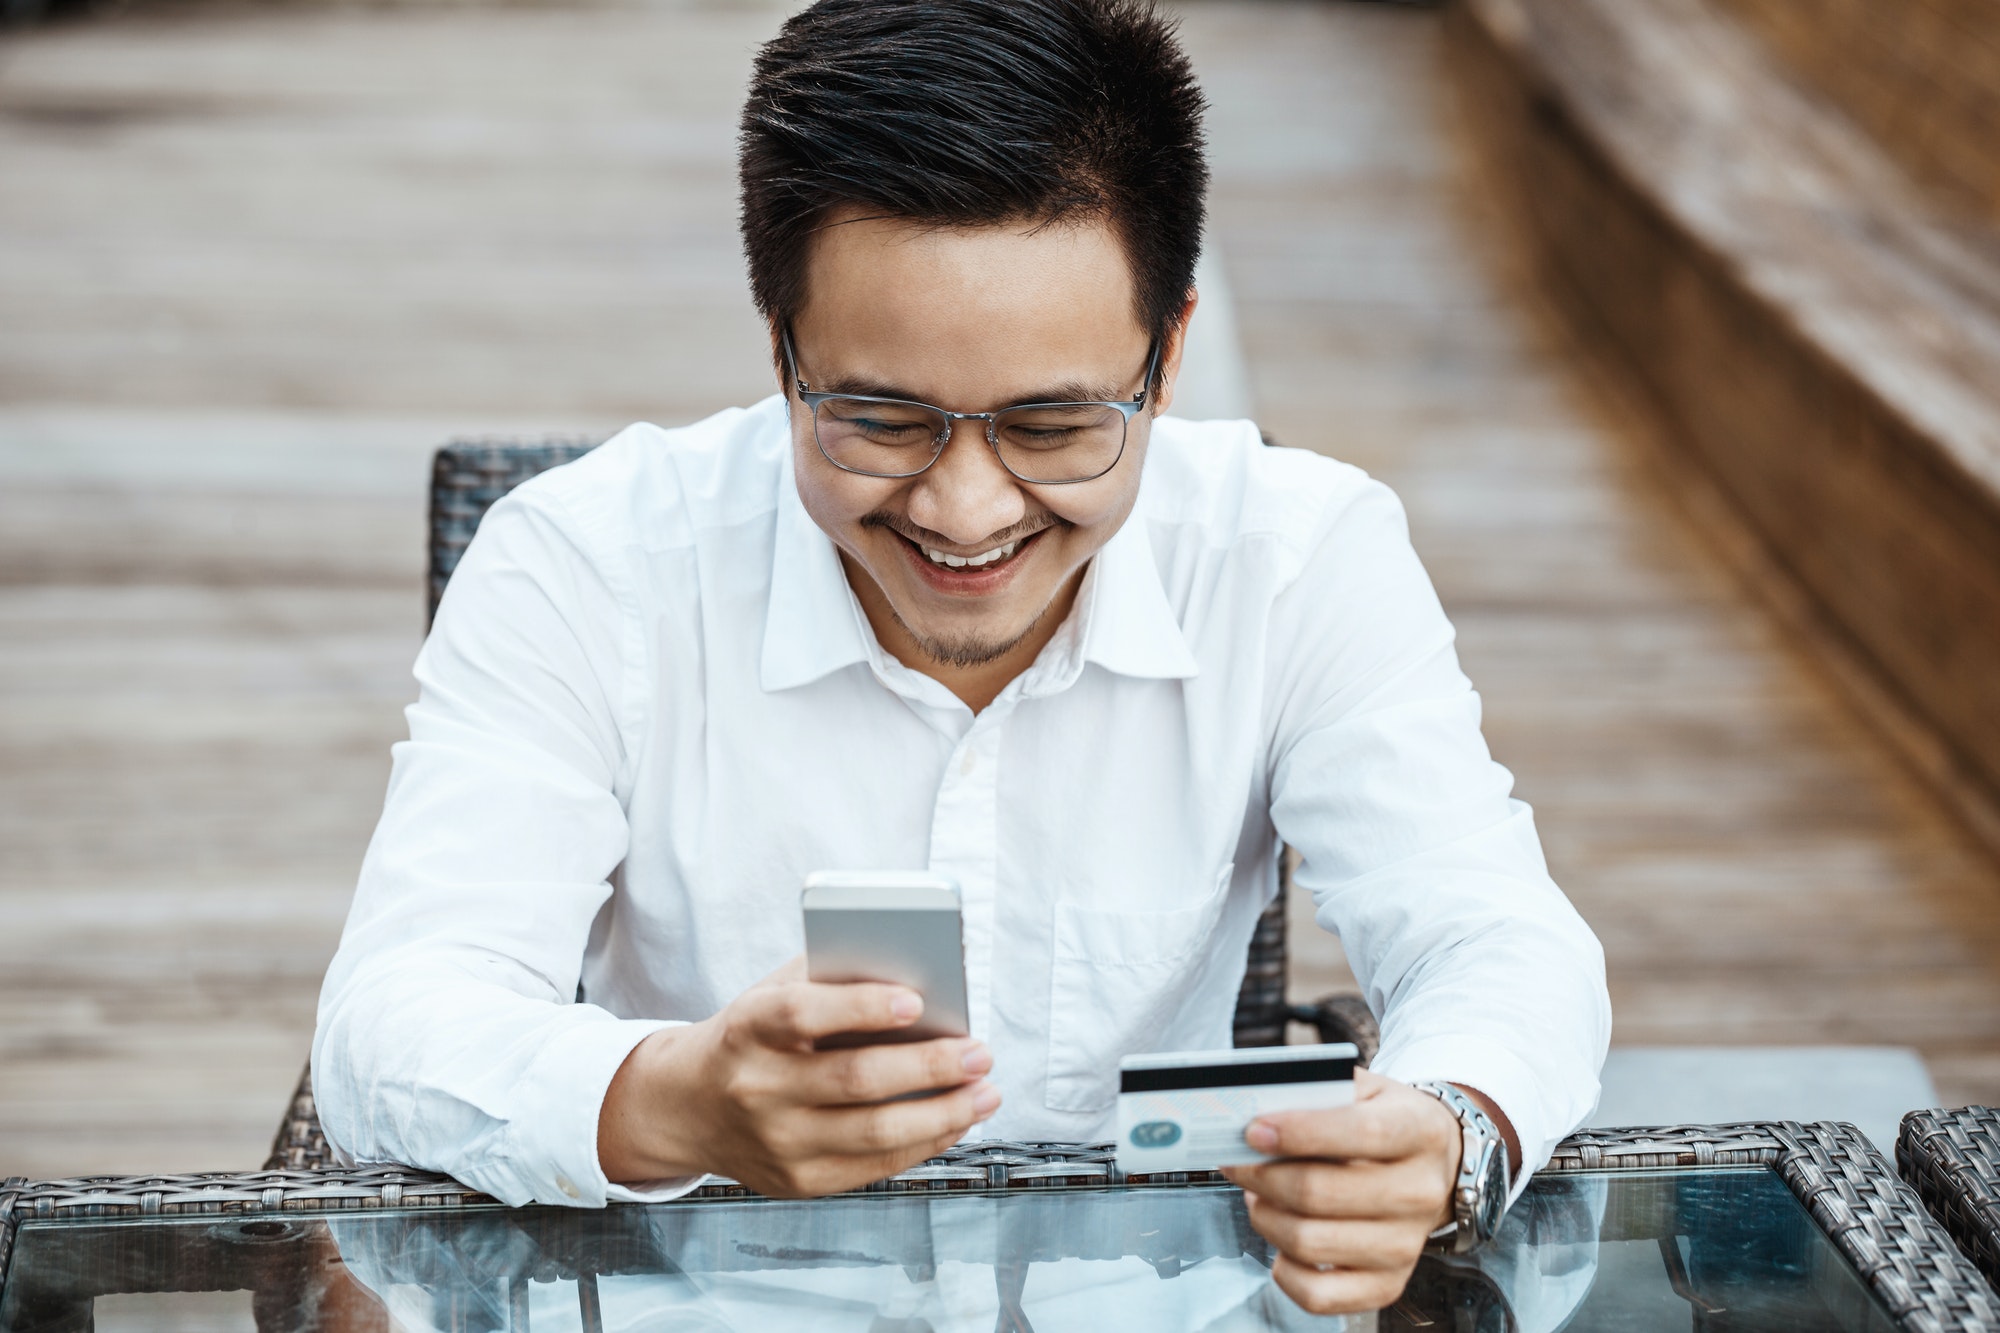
x: 555, y: 1139
x: 1491, y: 1069
x: 653, y: 1191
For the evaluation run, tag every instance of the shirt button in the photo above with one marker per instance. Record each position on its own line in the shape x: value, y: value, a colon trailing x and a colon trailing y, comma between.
x: 967, y: 764
x: 568, y: 1186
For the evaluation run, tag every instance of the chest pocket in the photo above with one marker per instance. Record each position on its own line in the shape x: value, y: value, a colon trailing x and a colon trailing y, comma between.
x: 1117, y: 979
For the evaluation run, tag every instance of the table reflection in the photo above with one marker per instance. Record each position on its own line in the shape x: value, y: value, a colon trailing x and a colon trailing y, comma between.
x: 1109, y: 1259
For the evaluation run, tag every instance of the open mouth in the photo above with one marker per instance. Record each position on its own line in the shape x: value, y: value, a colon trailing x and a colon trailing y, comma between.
x: 986, y: 562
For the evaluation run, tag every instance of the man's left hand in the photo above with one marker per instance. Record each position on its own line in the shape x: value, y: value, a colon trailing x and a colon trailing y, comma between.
x: 1358, y: 1193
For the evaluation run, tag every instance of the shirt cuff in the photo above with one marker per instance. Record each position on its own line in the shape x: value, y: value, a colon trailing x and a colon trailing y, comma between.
x: 556, y: 1148
x: 653, y: 1191
x: 1501, y: 1075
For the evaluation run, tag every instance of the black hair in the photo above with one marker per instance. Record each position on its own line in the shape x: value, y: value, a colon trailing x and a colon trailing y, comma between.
x: 976, y: 112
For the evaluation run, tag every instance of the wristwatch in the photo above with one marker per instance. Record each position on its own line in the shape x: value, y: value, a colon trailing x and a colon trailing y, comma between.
x: 1479, y: 1197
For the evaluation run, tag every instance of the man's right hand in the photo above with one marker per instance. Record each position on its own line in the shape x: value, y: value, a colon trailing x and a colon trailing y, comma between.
x: 745, y: 1094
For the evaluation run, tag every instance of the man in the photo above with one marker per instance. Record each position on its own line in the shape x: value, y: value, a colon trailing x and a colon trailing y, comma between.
x: 1094, y: 663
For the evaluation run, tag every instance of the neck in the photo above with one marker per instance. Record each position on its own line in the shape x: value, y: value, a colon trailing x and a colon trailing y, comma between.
x: 974, y: 686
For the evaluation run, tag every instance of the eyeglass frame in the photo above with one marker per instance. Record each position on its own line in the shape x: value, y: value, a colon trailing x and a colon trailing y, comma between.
x: 812, y: 398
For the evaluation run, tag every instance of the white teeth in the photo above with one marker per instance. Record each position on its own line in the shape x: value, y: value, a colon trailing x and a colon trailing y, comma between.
x: 969, y: 562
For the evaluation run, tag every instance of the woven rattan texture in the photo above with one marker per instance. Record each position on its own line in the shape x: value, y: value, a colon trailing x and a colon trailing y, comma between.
x: 1261, y: 1014
x: 301, y: 1144
x: 1648, y: 1149
x: 1952, y: 1160
x: 1880, y: 1224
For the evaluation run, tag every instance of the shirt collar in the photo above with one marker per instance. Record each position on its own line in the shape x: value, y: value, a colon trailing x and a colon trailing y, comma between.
x: 1129, y: 626
x: 814, y: 626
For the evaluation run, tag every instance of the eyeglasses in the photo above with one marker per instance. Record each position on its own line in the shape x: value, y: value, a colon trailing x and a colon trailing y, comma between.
x: 1043, y: 444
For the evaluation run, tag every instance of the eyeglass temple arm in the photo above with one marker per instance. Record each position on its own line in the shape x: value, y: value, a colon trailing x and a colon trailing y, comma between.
x: 792, y: 357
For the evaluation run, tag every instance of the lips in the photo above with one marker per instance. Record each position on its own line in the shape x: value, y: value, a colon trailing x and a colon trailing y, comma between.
x: 950, y: 561
x: 984, y: 573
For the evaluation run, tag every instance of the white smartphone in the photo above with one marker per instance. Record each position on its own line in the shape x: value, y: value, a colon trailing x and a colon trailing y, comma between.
x: 897, y: 926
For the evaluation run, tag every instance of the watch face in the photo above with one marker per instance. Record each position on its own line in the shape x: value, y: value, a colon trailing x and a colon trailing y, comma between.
x: 1492, y: 1196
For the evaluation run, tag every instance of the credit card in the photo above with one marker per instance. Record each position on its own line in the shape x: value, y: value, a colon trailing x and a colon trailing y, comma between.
x: 1187, y: 1111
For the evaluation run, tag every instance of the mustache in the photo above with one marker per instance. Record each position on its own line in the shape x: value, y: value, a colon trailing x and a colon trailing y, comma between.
x: 909, y: 531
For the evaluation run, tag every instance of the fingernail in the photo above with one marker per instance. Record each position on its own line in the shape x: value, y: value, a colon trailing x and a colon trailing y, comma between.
x: 977, y: 1059
x: 986, y: 1101
x: 1261, y: 1137
x: 907, y: 1006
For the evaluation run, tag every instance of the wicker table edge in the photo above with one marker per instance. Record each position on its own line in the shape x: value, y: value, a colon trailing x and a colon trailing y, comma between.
x: 1951, y: 1158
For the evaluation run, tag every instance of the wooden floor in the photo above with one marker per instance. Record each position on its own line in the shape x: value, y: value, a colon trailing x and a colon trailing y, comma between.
x: 253, y: 265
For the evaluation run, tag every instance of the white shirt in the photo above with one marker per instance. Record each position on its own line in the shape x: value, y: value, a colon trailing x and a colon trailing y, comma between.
x: 650, y: 705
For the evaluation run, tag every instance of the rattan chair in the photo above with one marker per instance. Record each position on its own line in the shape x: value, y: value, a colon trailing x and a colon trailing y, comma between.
x: 1952, y: 1160
x: 466, y: 478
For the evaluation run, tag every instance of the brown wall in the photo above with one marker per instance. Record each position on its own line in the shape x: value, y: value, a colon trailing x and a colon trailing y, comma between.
x: 1921, y: 76
x: 1892, y: 544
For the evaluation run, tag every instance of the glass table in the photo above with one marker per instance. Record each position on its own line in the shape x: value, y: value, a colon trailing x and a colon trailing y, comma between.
x: 1744, y: 1227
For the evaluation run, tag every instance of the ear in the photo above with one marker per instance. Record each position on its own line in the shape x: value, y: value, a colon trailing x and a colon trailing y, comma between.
x: 1171, y: 348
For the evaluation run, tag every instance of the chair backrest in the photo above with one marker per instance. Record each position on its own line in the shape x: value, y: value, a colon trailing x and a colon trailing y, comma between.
x: 467, y: 476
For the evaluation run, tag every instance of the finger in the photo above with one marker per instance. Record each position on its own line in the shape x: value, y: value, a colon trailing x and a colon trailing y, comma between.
x: 893, y: 1128
x: 1342, y: 1243
x: 877, y: 1073
x: 881, y: 1165
x: 1389, y: 1191
x: 792, y: 1014
x: 1339, y: 1291
x: 835, y: 1173
x: 1388, y: 1123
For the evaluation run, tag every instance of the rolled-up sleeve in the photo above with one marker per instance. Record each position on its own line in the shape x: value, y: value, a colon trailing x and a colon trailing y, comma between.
x: 1415, y: 852
x: 450, y: 1036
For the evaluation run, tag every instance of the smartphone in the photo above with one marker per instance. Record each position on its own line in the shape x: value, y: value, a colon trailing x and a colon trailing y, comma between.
x: 896, y: 926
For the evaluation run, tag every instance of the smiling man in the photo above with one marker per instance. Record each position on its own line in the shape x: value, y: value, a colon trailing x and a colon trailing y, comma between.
x: 961, y: 598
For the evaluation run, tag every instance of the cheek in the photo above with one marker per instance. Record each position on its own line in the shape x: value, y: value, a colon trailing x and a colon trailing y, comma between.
x: 836, y: 500
x: 1095, y: 509
x: 1098, y: 508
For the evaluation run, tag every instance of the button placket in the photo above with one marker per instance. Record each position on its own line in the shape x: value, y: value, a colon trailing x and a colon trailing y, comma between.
x: 965, y: 845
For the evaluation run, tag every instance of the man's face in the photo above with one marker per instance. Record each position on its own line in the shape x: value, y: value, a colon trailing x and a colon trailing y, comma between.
x: 969, y: 320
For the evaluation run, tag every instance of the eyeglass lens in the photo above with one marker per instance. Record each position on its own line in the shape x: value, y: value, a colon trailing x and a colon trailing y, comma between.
x: 1058, y: 442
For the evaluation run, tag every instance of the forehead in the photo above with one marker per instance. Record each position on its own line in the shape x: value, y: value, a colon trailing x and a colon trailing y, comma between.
x: 970, y: 317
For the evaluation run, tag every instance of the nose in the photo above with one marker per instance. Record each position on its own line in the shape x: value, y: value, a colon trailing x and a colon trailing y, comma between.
x: 967, y: 494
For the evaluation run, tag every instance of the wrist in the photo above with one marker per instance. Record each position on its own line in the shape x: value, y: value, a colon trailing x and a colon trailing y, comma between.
x: 646, y: 1129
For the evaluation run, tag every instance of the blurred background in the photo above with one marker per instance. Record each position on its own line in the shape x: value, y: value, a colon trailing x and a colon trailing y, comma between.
x: 1674, y: 322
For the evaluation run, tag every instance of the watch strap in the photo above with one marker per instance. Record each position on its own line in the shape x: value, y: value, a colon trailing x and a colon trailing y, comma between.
x: 1479, y: 1136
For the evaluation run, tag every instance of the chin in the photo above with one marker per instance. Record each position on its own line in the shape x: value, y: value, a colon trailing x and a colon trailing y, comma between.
x: 967, y: 645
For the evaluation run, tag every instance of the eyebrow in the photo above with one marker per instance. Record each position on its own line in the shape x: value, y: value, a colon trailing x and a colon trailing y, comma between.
x: 1072, y: 391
